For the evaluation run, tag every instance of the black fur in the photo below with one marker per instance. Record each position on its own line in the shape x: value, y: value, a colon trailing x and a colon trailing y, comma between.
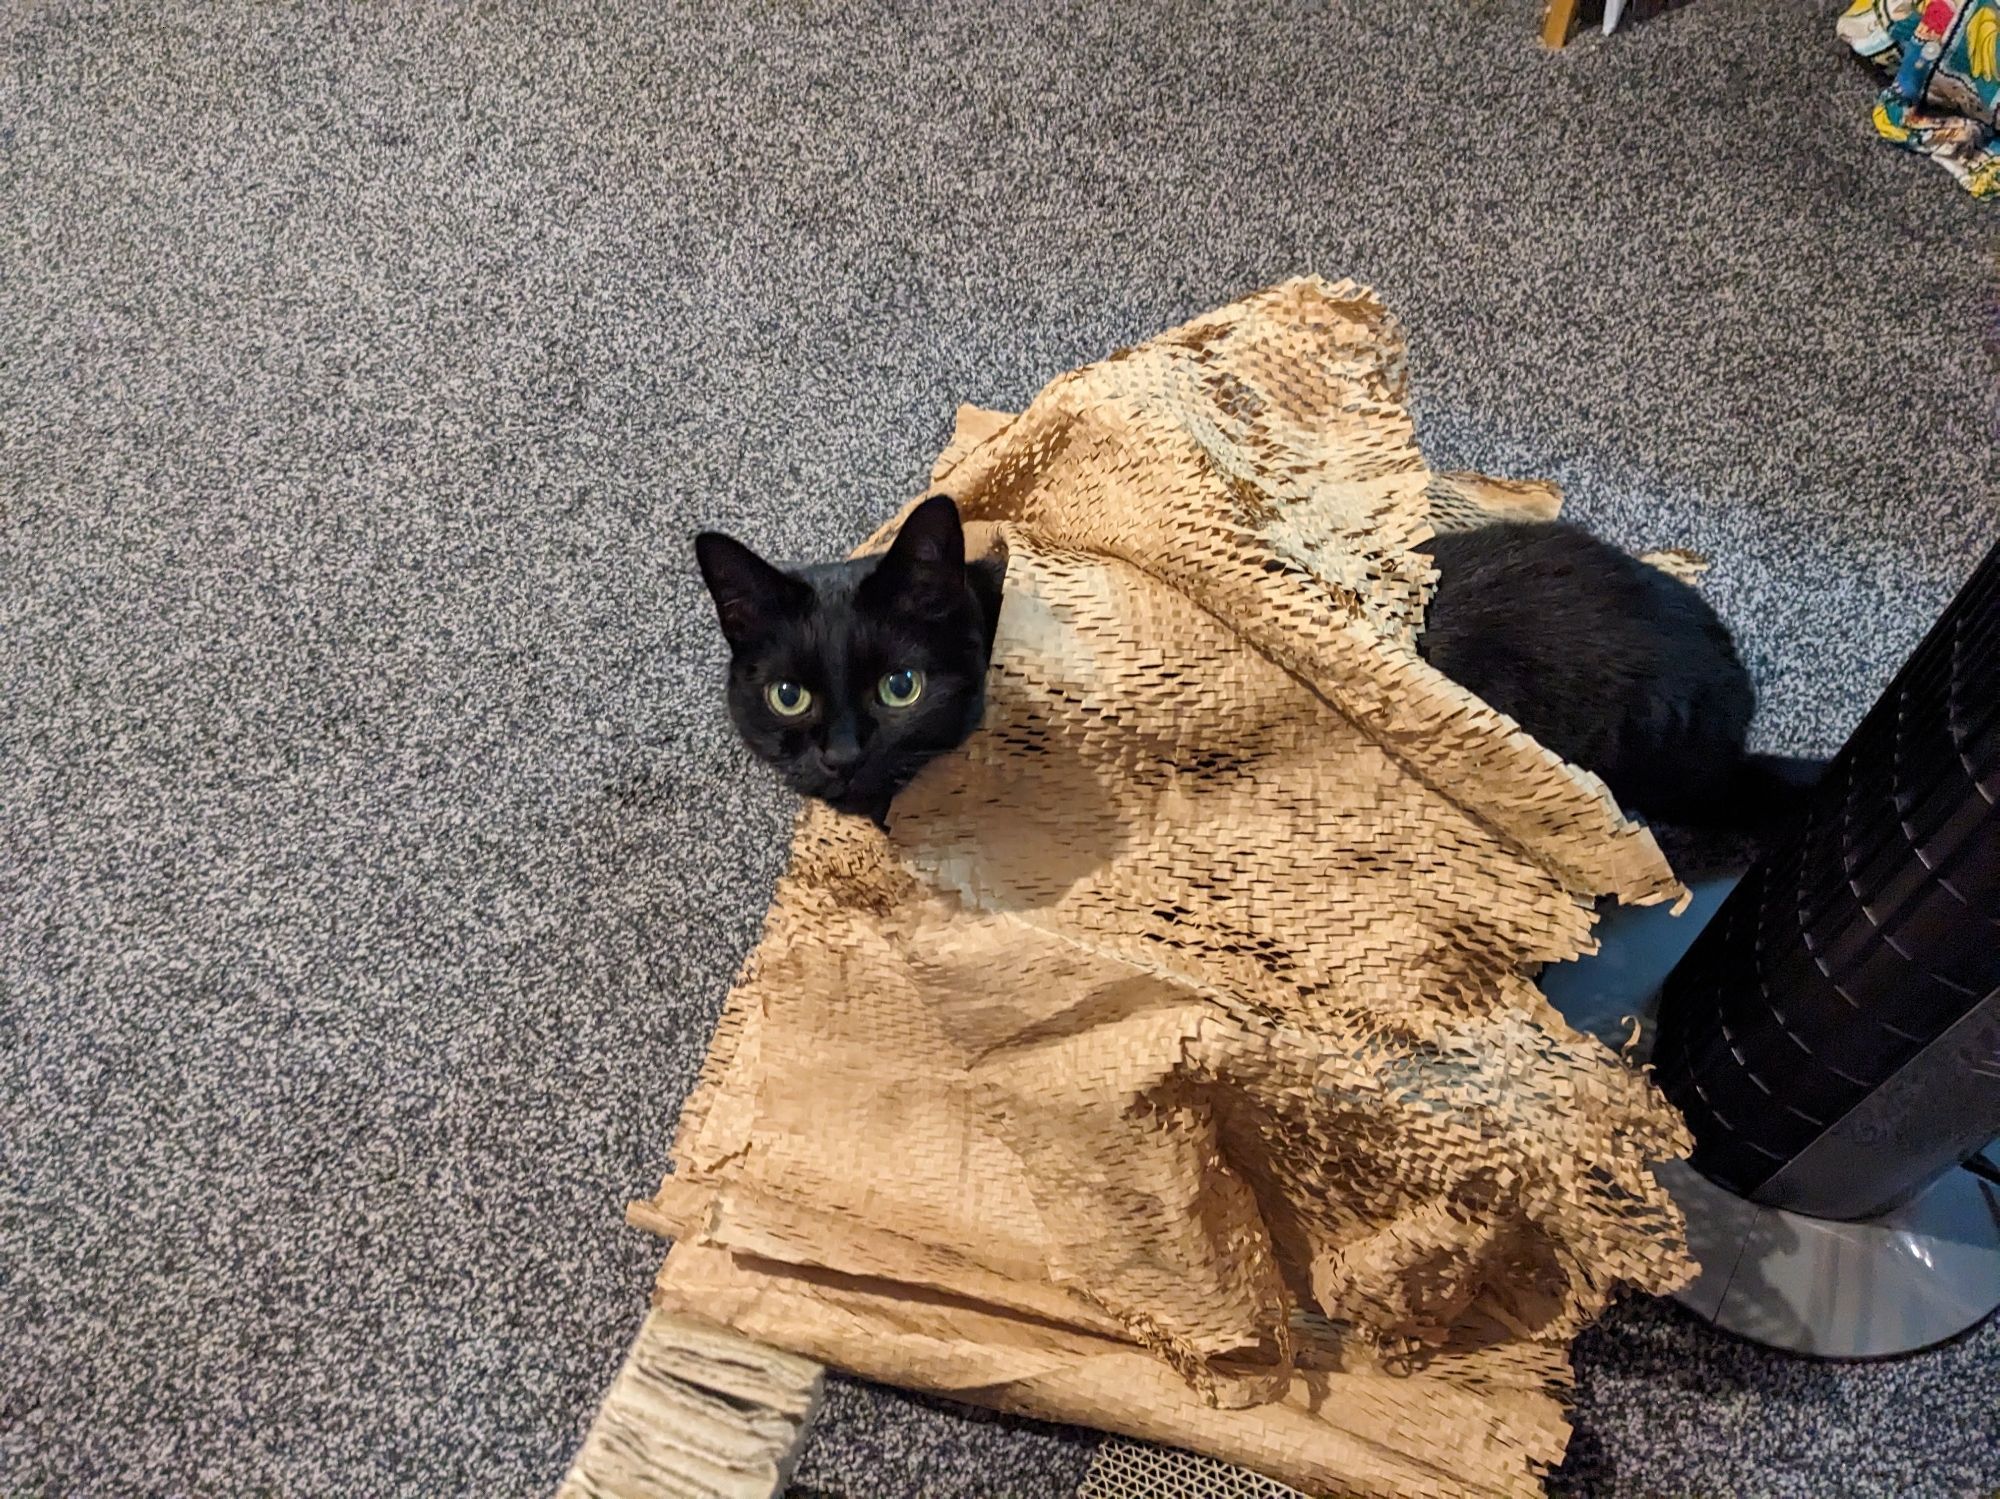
x: 1606, y: 660
x: 836, y: 629
x: 1610, y: 663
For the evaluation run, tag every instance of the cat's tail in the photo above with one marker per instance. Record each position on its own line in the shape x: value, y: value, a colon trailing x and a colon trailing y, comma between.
x: 1767, y: 790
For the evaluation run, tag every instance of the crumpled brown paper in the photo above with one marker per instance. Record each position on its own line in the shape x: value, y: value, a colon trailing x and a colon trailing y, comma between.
x: 1173, y: 1064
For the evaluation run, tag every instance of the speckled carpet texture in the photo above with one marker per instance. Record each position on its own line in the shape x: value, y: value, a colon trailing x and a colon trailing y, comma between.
x: 374, y: 853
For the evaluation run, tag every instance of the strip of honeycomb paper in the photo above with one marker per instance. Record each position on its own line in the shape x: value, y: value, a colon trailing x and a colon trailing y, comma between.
x: 1173, y: 1065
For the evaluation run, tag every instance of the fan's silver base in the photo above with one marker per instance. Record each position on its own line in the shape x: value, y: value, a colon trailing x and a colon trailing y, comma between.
x: 1915, y: 1277
x: 1909, y: 1279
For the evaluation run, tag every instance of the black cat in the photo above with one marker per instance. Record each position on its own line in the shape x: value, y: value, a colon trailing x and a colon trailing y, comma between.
x: 850, y: 676
x: 1611, y: 663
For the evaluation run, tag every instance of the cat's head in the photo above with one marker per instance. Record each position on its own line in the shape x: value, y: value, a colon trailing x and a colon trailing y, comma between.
x: 849, y: 677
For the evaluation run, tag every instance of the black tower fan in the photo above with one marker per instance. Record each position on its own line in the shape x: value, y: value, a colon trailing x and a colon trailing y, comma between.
x: 1833, y: 1034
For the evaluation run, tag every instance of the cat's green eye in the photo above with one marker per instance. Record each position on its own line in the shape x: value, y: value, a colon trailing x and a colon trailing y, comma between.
x: 788, y: 699
x: 898, y: 689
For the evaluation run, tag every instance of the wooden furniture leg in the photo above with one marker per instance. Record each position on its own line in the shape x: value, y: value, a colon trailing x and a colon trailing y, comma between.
x: 1558, y: 22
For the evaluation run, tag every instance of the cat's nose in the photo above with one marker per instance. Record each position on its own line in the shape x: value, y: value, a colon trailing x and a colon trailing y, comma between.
x: 842, y: 750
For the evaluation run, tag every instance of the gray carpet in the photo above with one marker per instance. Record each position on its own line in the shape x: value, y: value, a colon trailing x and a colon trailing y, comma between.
x: 373, y: 854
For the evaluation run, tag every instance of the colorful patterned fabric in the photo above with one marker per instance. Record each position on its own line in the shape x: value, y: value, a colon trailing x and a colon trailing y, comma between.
x: 1943, y: 58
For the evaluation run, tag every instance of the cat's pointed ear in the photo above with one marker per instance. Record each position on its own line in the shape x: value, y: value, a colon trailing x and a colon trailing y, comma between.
x: 931, y: 537
x: 923, y: 571
x: 751, y: 596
